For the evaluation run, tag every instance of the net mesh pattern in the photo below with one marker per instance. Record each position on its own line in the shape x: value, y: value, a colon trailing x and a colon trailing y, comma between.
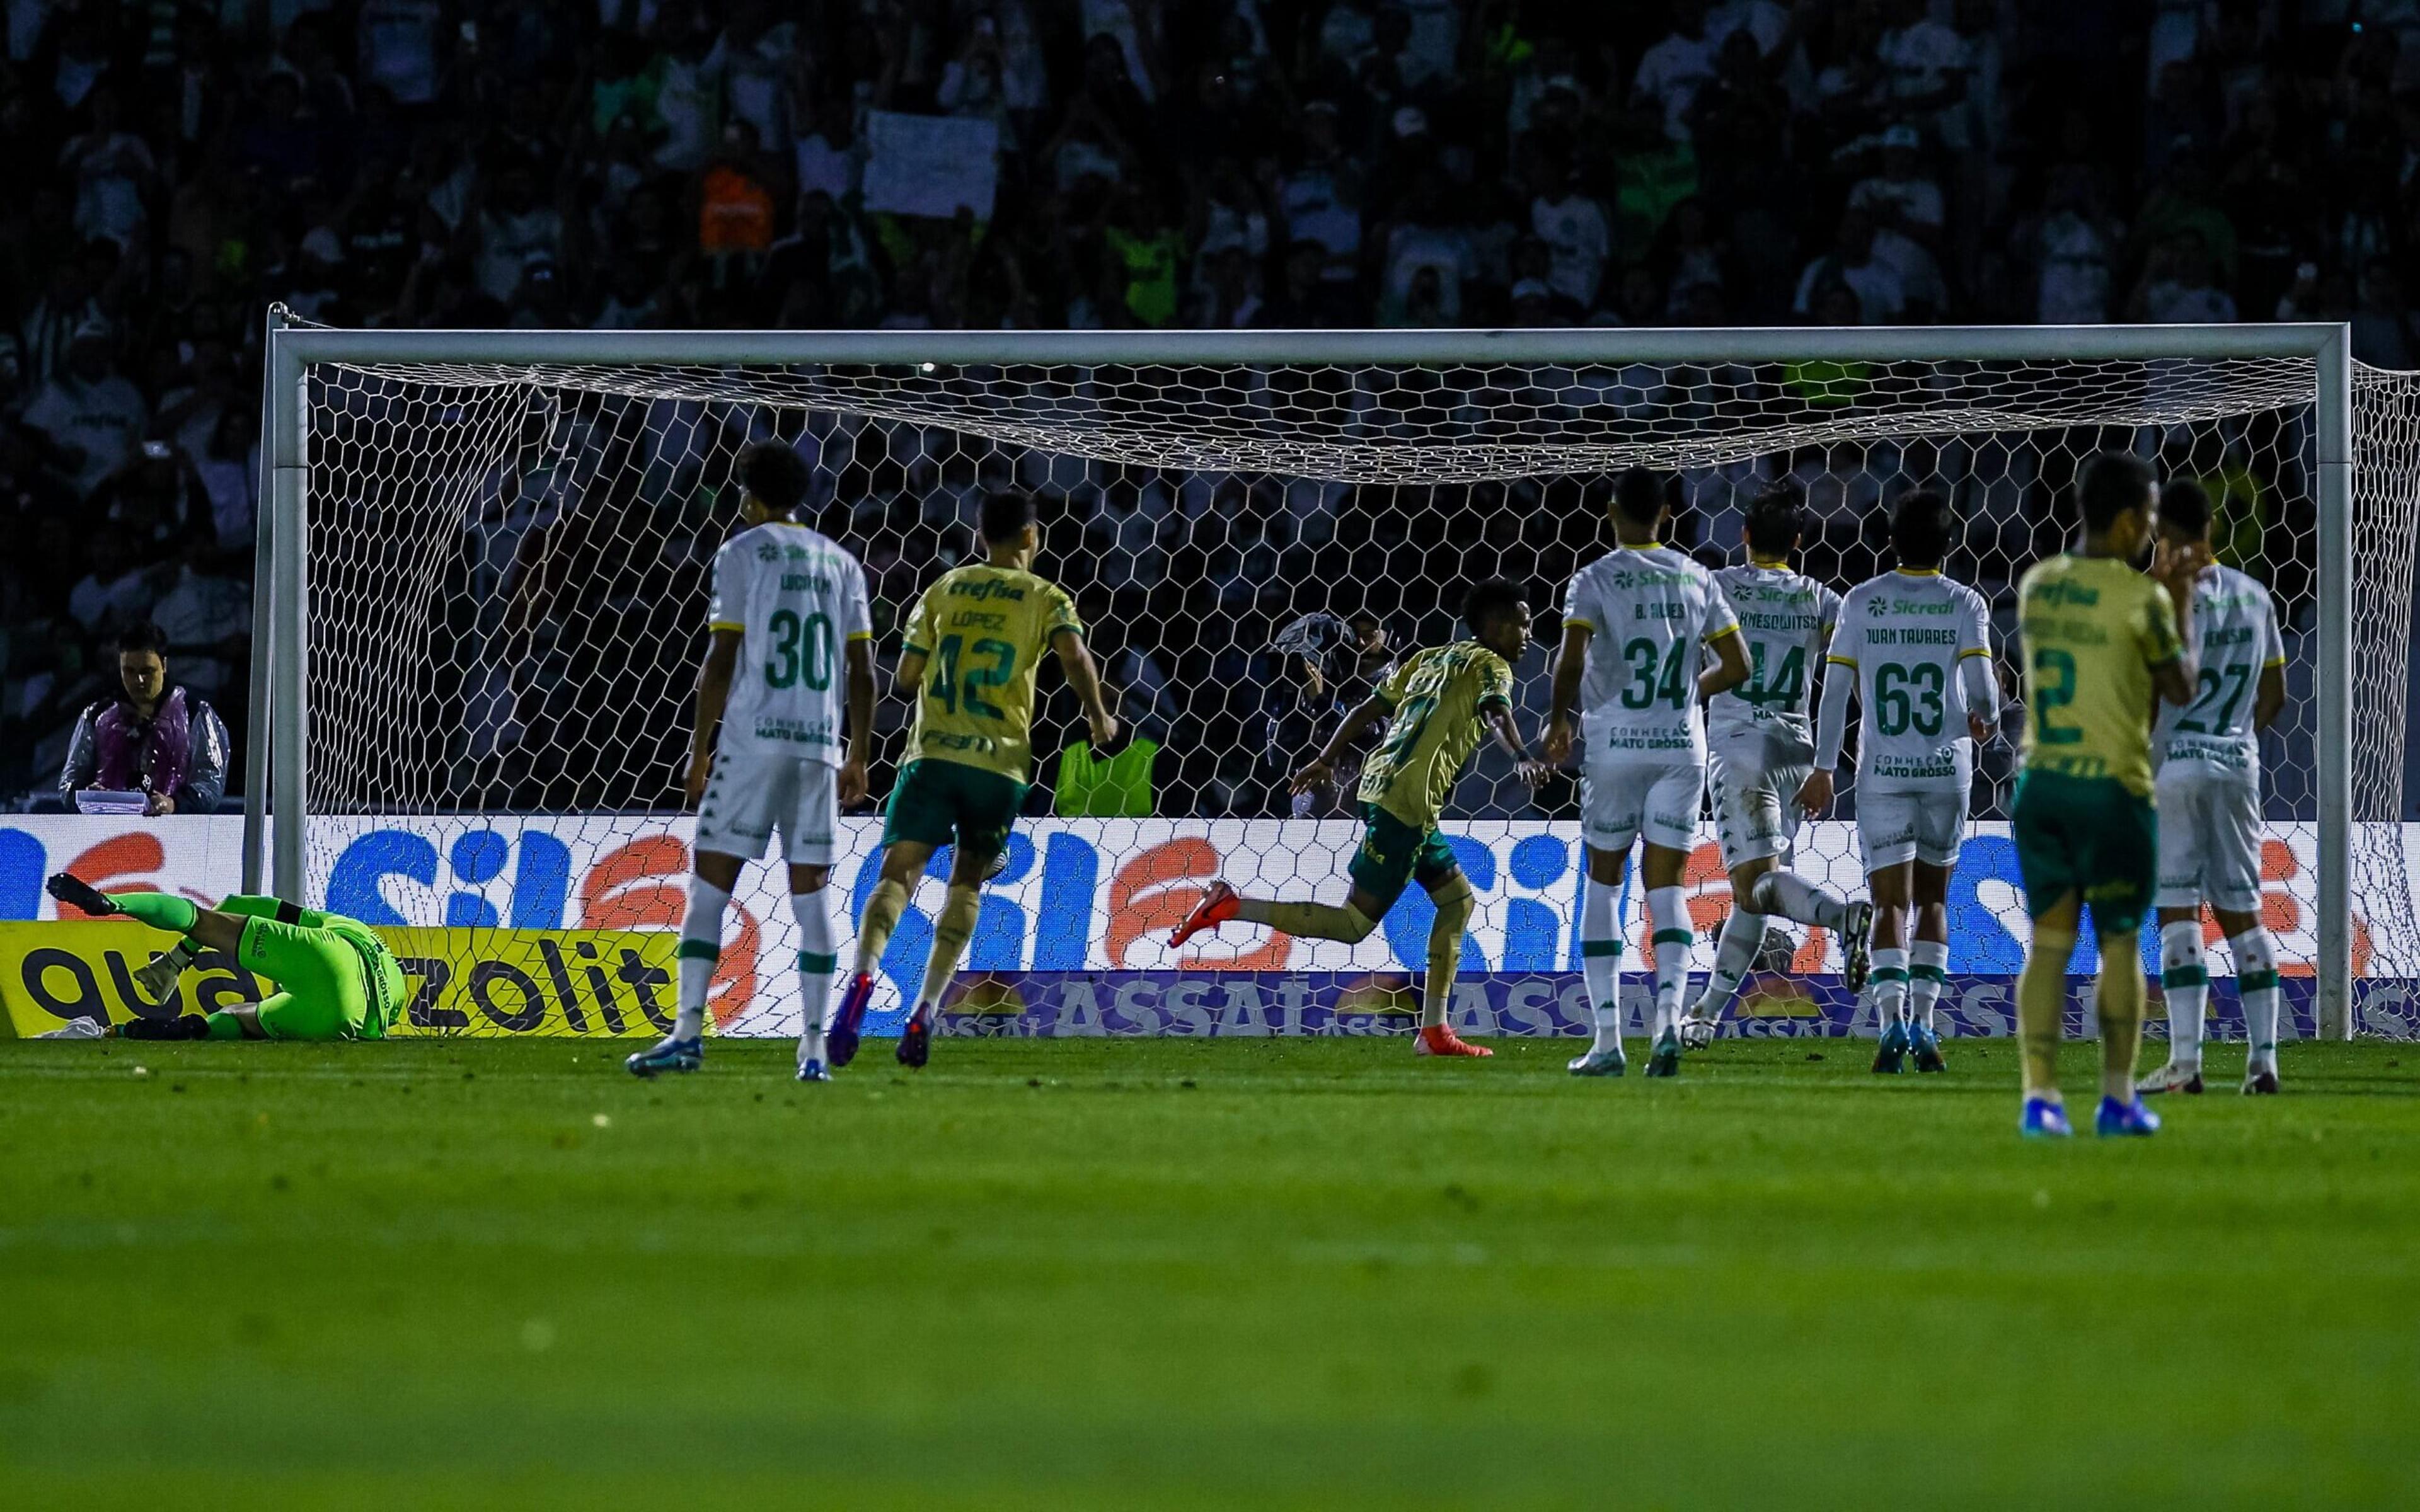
x: 508, y: 563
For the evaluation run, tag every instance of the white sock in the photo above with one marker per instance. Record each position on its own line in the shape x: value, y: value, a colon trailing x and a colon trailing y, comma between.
x: 1734, y: 957
x: 701, y: 949
x: 1668, y: 915
x: 1927, y: 972
x: 1601, y: 961
x: 2184, y: 982
x: 2255, y: 978
x: 1792, y: 896
x: 1889, y: 984
x: 817, y: 964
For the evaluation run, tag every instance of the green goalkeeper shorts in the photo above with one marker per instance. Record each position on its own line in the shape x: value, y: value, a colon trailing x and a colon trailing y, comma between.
x: 323, y: 991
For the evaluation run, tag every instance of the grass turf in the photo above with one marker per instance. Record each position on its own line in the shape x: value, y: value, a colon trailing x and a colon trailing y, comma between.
x: 1173, y: 1274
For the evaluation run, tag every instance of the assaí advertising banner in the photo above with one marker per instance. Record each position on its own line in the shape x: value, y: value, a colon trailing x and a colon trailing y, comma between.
x: 1072, y: 934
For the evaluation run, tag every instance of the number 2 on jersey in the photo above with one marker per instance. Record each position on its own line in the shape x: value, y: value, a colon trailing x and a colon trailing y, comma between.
x: 956, y: 692
x: 2054, y: 689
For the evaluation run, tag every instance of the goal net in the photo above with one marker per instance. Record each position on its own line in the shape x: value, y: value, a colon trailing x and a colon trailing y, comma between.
x: 506, y: 566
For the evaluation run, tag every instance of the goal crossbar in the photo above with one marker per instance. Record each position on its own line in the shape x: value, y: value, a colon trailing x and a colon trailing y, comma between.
x: 277, y: 781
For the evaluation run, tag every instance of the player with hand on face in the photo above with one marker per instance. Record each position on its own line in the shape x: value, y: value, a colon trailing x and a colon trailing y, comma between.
x: 1636, y: 623
x: 1438, y: 705
x: 973, y: 645
x: 789, y: 640
x: 2209, y: 800
x: 2104, y: 644
x: 1915, y: 649
x: 1761, y: 751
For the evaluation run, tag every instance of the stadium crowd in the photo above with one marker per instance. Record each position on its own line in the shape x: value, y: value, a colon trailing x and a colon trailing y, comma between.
x: 1155, y: 164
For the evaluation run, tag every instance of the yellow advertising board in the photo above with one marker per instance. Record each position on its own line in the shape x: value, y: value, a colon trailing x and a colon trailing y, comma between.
x: 462, y: 982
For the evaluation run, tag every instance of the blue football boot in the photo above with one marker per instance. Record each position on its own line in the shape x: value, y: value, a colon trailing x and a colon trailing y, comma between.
x: 2043, y: 1119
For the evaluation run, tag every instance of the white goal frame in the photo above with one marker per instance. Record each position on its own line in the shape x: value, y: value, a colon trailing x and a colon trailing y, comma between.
x: 277, y: 772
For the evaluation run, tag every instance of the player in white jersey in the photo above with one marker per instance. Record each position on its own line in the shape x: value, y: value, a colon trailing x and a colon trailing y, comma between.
x: 1633, y: 623
x: 1917, y: 649
x: 1760, y: 749
x: 789, y: 638
x: 2208, y: 795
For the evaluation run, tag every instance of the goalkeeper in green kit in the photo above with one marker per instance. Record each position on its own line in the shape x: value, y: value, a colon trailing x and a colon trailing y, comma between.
x: 335, y: 979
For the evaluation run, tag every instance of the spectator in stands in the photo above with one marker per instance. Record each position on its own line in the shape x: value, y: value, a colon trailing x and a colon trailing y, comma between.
x: 90, y: 414
x: 1672, y: 72
x: 205, y: 617
x: 1353, y: 162
x: 1327, y: 664
x: 1881, y: 291
x: 2075, y: 251
x: 1577, y: 235
x: 2179, y: 286
x: 153, y: 737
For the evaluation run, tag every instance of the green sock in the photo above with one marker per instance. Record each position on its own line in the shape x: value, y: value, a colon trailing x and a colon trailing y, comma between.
x: 160, y: 910
x: 225, y: 1027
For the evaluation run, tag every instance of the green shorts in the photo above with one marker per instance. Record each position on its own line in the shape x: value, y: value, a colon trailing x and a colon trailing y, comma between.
x: 323, y: 991
x: 1393, y: 855
x: 2093, y: 835
x: 941, y: 803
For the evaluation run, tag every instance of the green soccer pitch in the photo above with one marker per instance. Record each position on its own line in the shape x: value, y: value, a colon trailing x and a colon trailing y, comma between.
x: 1314, y: 1273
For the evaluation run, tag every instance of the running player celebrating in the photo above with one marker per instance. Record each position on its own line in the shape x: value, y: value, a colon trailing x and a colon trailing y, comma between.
x: 765, y: 751
x: 981, y: 631
x: 1439, y: 704
x: 2102, y: 644
x: 1759, y: 752
x: 2209, y: 803
x: 1633, y: 623
x: 1917, y: 649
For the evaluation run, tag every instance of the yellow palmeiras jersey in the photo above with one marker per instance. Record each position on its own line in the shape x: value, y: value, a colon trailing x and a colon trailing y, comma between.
x: 1438, y: 697
x: 982, y: 631
x: 2093, y: 628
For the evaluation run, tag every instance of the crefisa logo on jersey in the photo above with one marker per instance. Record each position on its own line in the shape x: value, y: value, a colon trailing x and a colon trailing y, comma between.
x: 768, y: 552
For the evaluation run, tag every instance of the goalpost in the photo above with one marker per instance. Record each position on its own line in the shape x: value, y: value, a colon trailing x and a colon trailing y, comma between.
x: 463, y: 529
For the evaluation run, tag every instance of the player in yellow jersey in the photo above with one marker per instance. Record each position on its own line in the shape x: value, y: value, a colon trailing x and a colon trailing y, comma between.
x: 2102, y: 644
x: 1439, y: 704
x: 968, y: 660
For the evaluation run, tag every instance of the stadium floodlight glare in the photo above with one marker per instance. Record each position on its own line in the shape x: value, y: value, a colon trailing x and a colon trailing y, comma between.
x: 457, y: 522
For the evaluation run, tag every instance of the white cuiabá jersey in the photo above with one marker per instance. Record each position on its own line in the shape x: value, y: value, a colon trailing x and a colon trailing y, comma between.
x: 797, y: 598
x: 2235, y: 640
x: 1919, y: 646
x: 1785, y: 619
x: 1648, y: 610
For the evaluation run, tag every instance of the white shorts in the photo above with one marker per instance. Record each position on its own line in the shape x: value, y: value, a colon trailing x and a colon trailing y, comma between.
x: 1756, y: 807
x: 1622, y: 801
x: 2210, y: 839
x: 749, y: 796
x: 1898, y: 828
